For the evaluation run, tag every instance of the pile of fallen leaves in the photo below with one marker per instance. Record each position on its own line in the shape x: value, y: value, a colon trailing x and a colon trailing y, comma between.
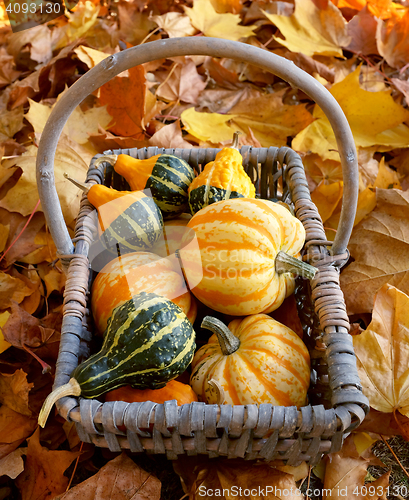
x: 357, y: 49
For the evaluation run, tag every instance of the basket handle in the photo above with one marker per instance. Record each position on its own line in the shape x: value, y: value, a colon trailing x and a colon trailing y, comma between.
x: 215, y: 47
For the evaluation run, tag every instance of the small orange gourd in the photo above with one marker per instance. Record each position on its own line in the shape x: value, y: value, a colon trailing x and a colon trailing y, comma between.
x: 167, y: 177
x: 128, y: 220
x: 127, y: 275
x: 253, y: 360
x: 183, y: 394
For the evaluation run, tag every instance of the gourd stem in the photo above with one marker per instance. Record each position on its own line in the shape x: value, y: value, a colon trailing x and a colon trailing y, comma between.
x: 73, y: 388
x: 82, y: 185
x: 229, y: 343
x: 285, y: 263
x: 111, y: 159
x: 235, y: 143
x: 220, y: 397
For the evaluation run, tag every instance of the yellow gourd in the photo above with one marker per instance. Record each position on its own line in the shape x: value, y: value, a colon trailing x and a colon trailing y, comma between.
x: 221, y: 179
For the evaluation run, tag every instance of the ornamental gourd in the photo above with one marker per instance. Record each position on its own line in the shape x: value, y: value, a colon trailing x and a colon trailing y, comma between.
x: 174, y: 389
x: 173, y: 232
x: 254, y: 360
x: 128, y: 221
x: 247, y: 255
x: 166, y: 176
x: 221, y: 179
x: 127, y: 275
x: 148, y: 342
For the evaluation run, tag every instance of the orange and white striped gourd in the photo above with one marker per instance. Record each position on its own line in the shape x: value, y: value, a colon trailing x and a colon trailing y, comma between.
x: 248, y: 252
x: 171, y: 239
x: 253, y: 360
x: 136, y: 272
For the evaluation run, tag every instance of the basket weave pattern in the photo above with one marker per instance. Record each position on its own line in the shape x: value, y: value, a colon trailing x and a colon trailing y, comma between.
x: 251, y: 431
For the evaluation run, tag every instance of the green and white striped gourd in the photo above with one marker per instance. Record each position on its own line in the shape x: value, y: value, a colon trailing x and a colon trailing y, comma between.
x: 148, y: 342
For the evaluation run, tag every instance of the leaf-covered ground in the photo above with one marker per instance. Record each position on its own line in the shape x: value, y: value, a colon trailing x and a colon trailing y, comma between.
x: 357, y: 49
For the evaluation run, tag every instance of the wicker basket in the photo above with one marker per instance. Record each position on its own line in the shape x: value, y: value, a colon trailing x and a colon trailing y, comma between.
x: 250, y: 431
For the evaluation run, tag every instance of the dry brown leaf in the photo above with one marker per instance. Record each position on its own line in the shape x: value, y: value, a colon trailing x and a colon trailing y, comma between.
x: 119, y: 479
x: 221, y: 478
x: 382, y: 353
x: 346, y: 470
x: 14, y: 390
x: 14, y: 429
x: 379, y: 246
x: 181, y: 83
x: 169, y: 136
x: 27, y: 239
x: 43, y: 475
x: 24, y: 330
x: 53, y: 278
x: 174, y: 24
x: 362, y: 30
x: 12, y: 464
x: 12, y: 290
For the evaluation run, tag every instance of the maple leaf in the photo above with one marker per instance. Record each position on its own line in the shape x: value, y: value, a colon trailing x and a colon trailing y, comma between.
x: 78, y: 126
x: 4, y: 316
x: 11, y: 122
x: 392, y: 39
x: 374, y: 117
x: 43, y: 475
x: 269, y: 119
x: 14, y: 391
x: 221, y: 476
x: 128, y: 111
x: 169, y: 136
x: 90, y: 56
x: 120, y: 478
x: 134, y: 26
x: 311, y: 30
x: 221, y: 6
x: 182, y: 83
x: 211, y: 127
x: 38, y: 39
x: 204, y: 18
x: 379, y: 246
x: 23, y: 197
x: 12, y: 290
x: 344, y: 474
x: 14, y: 429
x: 174, y: 24
x: 362, y: 30
x: 382, y: 354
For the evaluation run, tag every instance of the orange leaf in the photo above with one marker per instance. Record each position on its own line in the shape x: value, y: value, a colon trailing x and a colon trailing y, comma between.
x: 43, y: 475
x: 125, y: 100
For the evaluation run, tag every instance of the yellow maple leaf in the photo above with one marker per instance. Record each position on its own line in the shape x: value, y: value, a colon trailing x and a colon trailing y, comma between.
x: 374, y: 117
x: 23, y: 196
x: 234, y: 6
x: 4, y: 316
x: 204, y: 18
x: 329, y: 204
x: 382, y: 353
x: 89, y: 56
x: 269, y: 119
x: 212, y: 127
x: 312, y: 30
x: 79, y: 125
